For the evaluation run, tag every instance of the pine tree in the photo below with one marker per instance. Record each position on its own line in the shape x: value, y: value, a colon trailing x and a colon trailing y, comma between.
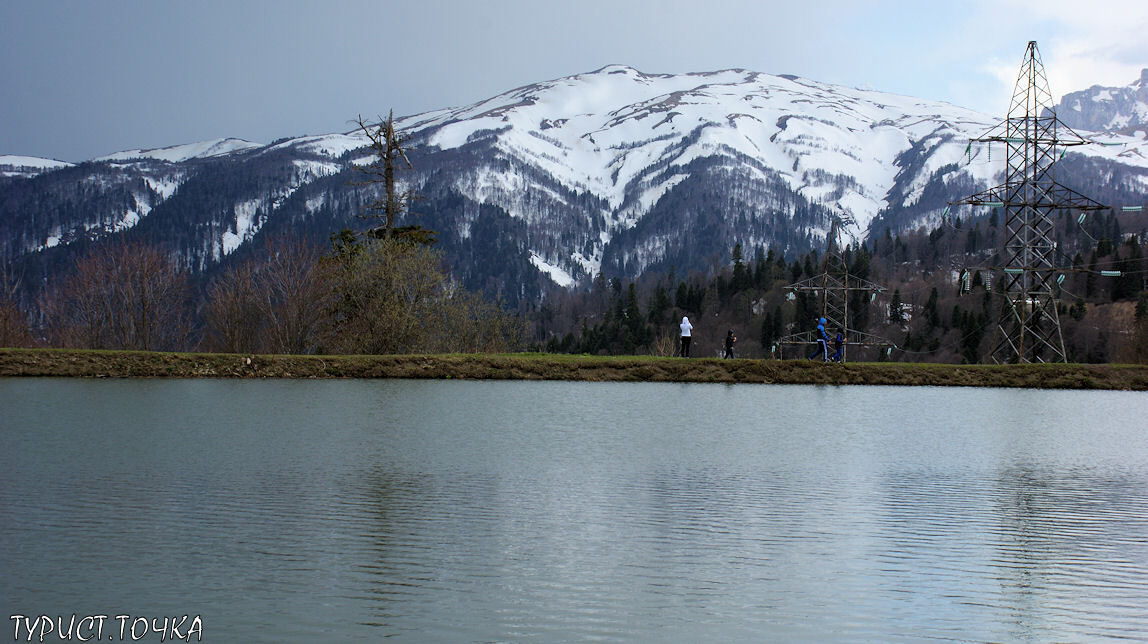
x: 896, y: 309
x: 1078, y: 309
x: 932, y: 315
x: 741, y: 276
x: 635, y: 321
x: 658, y: 304
x: 806, y: 314
x: 763, y: 270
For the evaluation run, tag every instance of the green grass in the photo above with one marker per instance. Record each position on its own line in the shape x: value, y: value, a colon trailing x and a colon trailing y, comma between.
x: 533, y: 366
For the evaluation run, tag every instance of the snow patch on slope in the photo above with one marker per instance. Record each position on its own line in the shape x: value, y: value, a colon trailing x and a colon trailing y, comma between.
x: 12, y: 165
x: 331, y: 146
x: 247, y: 223
x: 250, y: 215
x: 164, y: 187
x: 560, y: 277
x: 185, y: 152
x: 315, y: 203
x: 591, y: 265
x: 309, y: 170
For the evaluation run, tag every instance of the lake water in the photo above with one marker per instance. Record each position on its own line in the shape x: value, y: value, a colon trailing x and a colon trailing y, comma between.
x: 492, y: 511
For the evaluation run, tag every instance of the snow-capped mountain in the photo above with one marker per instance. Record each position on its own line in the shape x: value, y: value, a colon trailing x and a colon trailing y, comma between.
x: 610, y: 132
x: 1107, y: 109
x: 12, y: 165
x: 613, y: 171
x: 180, y: 153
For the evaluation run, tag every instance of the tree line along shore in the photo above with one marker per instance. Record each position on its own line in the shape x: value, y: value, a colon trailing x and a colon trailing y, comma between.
x: 538, y: 366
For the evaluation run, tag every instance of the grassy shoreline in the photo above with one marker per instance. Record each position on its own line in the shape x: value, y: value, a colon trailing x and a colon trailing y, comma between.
x: 144, y: 364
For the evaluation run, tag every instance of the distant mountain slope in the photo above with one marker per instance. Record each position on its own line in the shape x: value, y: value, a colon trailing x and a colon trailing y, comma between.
x: 613, y: 171
x: 12, y: 165
x: 615, y: 132
x: 1107, y: 109
x: 180, y: 153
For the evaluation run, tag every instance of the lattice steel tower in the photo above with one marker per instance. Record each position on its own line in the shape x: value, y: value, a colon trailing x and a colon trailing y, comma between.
x: 1028, y: 327
x: 833, y: 287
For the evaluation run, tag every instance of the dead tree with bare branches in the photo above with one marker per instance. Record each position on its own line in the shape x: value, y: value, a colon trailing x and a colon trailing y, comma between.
x: 387, y: 144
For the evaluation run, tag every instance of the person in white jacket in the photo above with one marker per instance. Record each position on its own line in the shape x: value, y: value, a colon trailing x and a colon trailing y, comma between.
x: 686, y: 327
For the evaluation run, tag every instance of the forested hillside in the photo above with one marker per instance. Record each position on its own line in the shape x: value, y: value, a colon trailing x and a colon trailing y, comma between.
x: 927, y: 311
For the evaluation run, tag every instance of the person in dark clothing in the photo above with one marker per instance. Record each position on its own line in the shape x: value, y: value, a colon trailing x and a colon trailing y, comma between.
x: 729, y: 340
x: 838, y: 346
x: 822, y: 342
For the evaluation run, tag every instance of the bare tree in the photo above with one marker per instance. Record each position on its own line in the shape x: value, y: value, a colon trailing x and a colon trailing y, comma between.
x: 474, y: 324
x: 387, y: 144
x: 15, y: 329
x: 276, y: 302
x: 295, y: 296
x: 388, y: 148
x: 233, y: 321
x: 120, y: 296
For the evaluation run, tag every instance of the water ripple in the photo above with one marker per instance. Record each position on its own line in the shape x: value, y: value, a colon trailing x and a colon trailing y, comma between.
x: 502, y: 511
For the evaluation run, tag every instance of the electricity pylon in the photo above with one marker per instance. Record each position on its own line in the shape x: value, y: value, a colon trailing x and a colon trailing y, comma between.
x: 834, y: 286
x: 1028, y: 326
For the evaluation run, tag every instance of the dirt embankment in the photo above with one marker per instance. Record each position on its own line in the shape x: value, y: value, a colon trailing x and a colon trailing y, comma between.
x: 142, y: 364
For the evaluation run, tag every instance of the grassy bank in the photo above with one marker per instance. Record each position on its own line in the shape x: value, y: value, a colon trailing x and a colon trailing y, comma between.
x: 142, y: 364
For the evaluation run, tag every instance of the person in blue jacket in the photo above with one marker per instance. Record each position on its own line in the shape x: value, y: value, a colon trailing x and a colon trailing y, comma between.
x: 838, y: 346
x: 822, y: 342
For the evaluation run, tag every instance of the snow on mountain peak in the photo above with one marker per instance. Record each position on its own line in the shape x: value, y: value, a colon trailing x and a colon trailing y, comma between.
x: 614, y: 170
x: 1107, y: 109
x: 602, y: 131
x: 185, y: 152
x: 12, y: 165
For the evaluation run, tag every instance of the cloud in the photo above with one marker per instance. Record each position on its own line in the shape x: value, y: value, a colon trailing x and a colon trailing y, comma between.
x: 1101, y: 44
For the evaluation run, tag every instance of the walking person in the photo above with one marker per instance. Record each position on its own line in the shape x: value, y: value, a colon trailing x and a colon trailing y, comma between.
x: 822, y: 342
x: 838, y: 346
x: 686, y: 328
x: 729, y: 340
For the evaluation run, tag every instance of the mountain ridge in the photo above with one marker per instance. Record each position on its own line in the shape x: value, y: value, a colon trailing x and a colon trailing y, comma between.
x: 1108, y: 109
x: 614, y: 171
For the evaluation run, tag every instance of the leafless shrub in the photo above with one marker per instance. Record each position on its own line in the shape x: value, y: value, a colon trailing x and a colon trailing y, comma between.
x: 120, y: 296
x: 294, y: 296
x: 233, y: 322
x: 666, y: 344
x: 15, y: 328
x: 279, y: 302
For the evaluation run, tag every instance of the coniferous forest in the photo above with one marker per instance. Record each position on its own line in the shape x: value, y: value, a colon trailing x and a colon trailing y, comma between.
x: 354, y: 295
x: 300, y: 285
x: 940, y: 302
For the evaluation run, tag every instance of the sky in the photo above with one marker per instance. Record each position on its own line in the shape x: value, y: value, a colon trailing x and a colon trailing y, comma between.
x: 80, y: 80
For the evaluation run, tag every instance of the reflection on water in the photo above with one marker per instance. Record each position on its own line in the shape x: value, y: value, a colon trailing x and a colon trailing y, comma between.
x: 286, y: 511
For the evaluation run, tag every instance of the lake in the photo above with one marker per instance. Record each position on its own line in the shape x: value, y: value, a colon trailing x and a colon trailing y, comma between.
x: 286, y: 510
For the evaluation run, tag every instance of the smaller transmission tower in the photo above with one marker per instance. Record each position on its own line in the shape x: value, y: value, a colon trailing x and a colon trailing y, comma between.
x: 834, y: 286
x: 1028, y: 326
